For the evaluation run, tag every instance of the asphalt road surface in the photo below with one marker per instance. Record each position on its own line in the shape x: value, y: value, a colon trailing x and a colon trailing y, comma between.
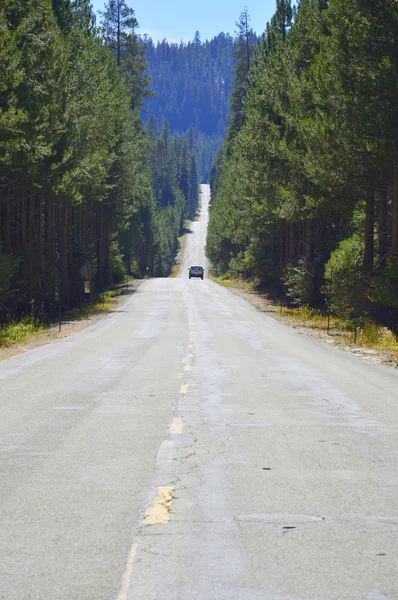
x: 188, y: 447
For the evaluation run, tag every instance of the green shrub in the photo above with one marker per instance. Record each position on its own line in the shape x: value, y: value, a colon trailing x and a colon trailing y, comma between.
x: 345, y: 287
x: 299, y: 282
x: 117, y: 268
x: 226, y: 276
x: 384, y: 286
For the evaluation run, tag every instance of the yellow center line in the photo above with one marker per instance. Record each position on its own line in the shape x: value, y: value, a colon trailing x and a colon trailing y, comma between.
x: 127, y: 574
x: 187, y: 368
x: 159, y: 512
x: 184, y: 389
x: 176, y: 425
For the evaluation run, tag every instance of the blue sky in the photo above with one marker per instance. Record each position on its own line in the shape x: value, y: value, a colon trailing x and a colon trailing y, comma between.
x: 179, y: 19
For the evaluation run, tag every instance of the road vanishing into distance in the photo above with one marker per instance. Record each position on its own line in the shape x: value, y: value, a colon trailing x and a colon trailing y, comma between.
x: 189, y: 447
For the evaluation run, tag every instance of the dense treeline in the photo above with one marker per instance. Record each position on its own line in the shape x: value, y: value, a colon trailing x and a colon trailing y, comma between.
x: 192, y: 83
x: 75, y: 171
x: 175, y: 183
x: 305, y: 189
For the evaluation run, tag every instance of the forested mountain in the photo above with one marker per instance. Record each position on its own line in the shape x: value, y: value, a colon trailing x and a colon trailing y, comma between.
x: 191, y: 84
x: 77, y: 180
x: 305, y: 188
x: 175, y: 186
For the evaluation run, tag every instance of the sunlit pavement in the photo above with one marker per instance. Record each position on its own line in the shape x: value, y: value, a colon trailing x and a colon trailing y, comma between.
x: 190, y: 447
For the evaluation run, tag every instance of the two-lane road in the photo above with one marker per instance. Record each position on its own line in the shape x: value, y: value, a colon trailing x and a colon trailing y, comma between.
x: 189, y: 447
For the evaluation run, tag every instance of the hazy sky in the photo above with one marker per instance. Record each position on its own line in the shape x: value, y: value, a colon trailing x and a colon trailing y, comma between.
x: 180, y: 19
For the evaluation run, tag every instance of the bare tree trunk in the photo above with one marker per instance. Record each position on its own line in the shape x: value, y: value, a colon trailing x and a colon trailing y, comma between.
x: 22, y: 221
x: 64, y: 255
x: 394, y: 241
x: 31, y: 221
x: 369, y: 230
x: 309, y: 240
x: 7, y: 224
x: 381, y: 206
x: 292, y: 239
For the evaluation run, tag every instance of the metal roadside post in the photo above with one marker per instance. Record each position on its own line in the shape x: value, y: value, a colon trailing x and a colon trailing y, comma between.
x: 59, y: 293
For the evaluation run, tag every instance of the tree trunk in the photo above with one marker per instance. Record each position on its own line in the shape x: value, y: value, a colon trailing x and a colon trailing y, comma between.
x: 381, y: 205
x: 281, y: 257
x: 308, y: 240
x: 369, y: 231
x: 394, y: 241
x: 292, y: 250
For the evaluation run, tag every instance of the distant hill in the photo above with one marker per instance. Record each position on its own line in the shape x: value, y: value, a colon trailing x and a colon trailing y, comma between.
x: 192, y: 83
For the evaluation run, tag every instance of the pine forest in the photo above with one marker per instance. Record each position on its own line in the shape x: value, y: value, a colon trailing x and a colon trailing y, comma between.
x: 305, y: 186
x: 83, y: 184
x: 105, y: 137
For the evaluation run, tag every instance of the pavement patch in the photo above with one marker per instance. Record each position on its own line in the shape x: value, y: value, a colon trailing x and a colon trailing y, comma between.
x: 159, y: 512
x: 176, y: 425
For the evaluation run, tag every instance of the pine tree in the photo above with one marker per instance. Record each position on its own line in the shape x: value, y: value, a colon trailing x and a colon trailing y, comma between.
x: 242, y: 54
x: 118, y: 25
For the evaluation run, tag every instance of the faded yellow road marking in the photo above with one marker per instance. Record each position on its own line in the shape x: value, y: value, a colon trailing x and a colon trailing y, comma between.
x: 189, y: 355
x: 190, y: 347
x: 184, y: 389
x: 159, y: 512
x: 187, y: 368
x: 176, y: 425
x: 127, y: 574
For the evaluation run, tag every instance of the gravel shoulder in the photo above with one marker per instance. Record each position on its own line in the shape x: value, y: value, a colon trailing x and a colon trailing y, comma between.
x: 335, y: 338
x: 68, y: 326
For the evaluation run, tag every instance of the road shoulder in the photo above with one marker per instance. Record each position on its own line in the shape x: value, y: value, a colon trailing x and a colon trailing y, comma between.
x: 264, y: 304
x: 68, y: 326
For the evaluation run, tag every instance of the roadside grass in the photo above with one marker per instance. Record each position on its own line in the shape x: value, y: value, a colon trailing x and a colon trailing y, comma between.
x: 226, y: 280
x: 376, y: 336
x: 14, y: 332
x: 175, y: 269
x: 312, y: 317
x: 368, y: 335
x: 102, y: 302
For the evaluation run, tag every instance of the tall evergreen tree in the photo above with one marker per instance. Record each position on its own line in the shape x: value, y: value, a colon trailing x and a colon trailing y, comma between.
x: 312, y: 172
x: 243, y: 53
x: 118, y: 24
x: 118, y: 27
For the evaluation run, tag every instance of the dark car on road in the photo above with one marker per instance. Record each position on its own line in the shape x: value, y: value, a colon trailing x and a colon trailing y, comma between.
x: 196, y: 271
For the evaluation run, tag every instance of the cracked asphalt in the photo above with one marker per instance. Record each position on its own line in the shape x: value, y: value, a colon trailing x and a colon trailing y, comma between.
x: 189, y: 447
